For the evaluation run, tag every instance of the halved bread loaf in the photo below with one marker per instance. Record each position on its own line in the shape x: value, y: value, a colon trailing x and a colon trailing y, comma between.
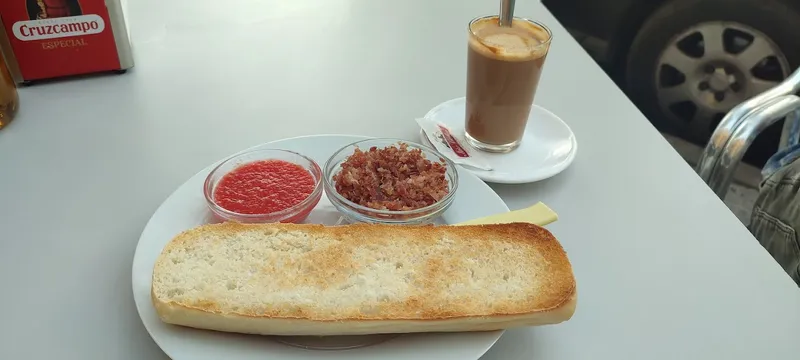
x: 289, y: 279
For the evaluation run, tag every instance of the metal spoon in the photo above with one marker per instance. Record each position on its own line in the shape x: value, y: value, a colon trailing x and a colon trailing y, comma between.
x: 506, y: 12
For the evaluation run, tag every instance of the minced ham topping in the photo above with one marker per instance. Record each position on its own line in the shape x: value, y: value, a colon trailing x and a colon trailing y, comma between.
x: 393, y: 178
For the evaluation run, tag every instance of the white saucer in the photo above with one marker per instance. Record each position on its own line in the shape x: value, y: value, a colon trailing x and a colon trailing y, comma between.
x: 547, y: 148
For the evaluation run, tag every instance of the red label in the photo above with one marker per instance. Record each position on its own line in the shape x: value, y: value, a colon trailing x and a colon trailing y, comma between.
x: 452, y: 142
x: 53, y: 38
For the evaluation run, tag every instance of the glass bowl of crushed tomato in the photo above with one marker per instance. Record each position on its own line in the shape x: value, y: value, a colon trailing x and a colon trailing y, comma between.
x: 390, y: 181
x: 264, y: 186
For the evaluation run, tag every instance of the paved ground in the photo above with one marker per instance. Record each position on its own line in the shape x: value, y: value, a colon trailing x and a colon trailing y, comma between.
x: 743, y: 192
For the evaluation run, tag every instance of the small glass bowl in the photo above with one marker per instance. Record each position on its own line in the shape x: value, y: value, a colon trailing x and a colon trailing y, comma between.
x: 294, y: 214
x: 358, y: 213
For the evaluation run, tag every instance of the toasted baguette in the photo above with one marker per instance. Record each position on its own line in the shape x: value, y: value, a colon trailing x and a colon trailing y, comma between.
x: 288, y: 279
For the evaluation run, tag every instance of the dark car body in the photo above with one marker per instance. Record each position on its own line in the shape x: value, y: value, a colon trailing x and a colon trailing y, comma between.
x: 605, y: 28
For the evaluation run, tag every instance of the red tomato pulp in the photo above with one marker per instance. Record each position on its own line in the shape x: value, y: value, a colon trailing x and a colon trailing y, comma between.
x: 264, y: 187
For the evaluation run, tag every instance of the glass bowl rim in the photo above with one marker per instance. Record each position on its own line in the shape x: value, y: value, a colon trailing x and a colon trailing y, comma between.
x: 277, y: 214
x: 450, y: 165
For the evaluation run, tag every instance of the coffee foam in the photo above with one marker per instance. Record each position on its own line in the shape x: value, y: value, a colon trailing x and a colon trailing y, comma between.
x: 522, y: 41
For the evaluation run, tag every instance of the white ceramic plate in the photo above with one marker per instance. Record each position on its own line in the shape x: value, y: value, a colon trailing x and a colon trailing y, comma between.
x: 547, y: 148
x: 186, y: 208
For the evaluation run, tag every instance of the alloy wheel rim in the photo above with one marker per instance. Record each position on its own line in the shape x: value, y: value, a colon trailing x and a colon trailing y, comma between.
x: 709, y: 68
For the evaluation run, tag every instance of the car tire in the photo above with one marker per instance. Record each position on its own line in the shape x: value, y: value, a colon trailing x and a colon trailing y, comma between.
x: 645, y: 64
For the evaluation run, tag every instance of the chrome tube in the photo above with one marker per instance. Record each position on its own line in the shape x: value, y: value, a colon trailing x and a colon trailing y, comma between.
x: 724, y: 131
x: 742, y: 137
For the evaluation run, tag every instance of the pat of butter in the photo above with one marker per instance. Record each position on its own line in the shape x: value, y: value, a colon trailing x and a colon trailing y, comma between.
x: 538, y: 214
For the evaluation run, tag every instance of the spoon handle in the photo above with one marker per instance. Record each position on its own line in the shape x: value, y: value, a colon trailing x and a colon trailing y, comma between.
x: 506, y: 12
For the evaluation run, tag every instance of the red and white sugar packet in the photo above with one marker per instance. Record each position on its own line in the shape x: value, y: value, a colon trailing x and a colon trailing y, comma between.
x: 452, y: 144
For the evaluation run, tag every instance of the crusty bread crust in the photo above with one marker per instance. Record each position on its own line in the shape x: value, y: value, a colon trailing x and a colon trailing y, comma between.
x: 448, y: 280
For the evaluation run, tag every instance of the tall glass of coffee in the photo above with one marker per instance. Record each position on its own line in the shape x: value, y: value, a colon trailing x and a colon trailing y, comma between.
x: 503, y: 69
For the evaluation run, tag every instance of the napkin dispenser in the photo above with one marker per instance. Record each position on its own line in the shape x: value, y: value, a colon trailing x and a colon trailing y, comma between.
x: 46, y: 39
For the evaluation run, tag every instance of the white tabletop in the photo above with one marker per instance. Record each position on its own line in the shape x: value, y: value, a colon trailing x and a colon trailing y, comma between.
x: 664, y: 270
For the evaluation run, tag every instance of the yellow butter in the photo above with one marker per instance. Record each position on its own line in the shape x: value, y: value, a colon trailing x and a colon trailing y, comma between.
x: 538, y: 214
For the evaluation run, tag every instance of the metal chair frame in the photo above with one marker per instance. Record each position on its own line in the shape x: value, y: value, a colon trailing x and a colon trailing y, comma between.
x: 737, y: 130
